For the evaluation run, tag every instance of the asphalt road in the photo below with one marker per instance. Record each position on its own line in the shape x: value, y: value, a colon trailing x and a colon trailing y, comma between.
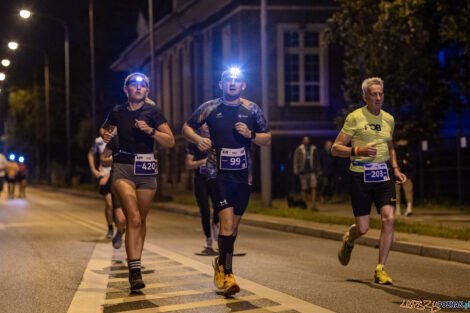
x: 47, y: 240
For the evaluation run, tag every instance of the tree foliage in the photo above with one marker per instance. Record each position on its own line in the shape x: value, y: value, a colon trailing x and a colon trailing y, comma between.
x: 418, y: 47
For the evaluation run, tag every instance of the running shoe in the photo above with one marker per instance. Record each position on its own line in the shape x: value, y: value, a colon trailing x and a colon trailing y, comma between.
x: 110, y: 233
x: 344, y: 254
x: 381, y: 277
x: 219, y: 280
x: 135, y: 279
x: 117, y: 240
x: 230, y: 285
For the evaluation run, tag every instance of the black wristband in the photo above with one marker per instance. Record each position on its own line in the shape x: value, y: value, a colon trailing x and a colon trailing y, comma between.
x: 152, y: 132
x: 253, y: 134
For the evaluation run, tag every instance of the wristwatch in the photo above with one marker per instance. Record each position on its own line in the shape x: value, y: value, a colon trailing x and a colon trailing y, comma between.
x: 152, y: 132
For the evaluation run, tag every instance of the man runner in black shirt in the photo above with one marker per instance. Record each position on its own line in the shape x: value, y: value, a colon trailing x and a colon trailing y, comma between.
x: 233, y: 124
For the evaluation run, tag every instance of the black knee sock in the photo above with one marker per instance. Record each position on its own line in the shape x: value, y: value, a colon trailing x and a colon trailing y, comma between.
x: 226, y: 253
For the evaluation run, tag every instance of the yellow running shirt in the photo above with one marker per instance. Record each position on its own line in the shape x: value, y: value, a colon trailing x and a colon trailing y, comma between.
x: 368, y: 129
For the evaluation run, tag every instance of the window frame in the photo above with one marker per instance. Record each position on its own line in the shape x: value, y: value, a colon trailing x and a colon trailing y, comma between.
x: 301, y: 51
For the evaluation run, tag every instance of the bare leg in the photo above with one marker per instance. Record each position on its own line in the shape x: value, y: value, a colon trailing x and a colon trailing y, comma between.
x: 126, y: 191
x: 120, y: 220
x: 144, y: 199
x: 386, y: 234
x: 360, y: 228
x: 108, y: 209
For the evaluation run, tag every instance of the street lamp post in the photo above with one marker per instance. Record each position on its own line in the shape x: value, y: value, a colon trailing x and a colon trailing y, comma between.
x: 26, y: 14
x: 47, y: 92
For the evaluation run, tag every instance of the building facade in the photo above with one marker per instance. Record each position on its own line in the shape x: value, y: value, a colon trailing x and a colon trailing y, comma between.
x: 202, y: 38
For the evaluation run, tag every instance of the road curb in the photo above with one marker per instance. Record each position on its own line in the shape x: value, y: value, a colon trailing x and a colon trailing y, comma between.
x: 442, y: 253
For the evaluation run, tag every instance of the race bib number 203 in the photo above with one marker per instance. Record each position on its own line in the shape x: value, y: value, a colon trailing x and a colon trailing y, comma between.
x: 375, y: 172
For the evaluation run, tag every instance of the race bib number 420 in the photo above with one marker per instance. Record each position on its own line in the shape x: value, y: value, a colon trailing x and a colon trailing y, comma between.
x: 375, y: 172
x: 145, y: 164
x: 233, y: 159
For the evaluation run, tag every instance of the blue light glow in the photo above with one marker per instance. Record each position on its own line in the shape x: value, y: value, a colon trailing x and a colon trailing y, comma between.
x: 21, y: 159
x: 235, y: 71
x: 139, y: 79
x: 12, y: 157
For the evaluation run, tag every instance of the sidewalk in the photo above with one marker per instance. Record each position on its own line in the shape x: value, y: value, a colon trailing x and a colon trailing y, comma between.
x: 441, y: 248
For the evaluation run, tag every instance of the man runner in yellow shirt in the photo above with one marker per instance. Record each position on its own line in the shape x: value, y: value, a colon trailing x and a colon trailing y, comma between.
x: 374, y: 171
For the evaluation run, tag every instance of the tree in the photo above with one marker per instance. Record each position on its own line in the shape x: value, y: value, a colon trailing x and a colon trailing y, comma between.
x: 402, y: 41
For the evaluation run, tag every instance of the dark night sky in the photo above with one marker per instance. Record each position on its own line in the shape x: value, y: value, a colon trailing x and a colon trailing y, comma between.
x: 115, y: 29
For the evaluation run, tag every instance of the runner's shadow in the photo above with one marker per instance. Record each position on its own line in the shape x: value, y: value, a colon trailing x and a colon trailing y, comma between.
x: 100, y: 240
x: 407, y: 293
x: 207, y: 252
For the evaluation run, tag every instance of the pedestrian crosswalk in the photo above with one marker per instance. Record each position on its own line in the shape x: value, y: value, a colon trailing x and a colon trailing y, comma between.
x: 174, y: 283
x: 175, y: 287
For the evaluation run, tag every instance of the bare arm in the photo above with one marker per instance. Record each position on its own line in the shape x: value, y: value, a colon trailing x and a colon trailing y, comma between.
x: 164, y: 136
x: 191, y: 164
x: 401, y: 178
x: 190, y: 135
x: 91, y: 162
x: 340, y: 147
x: 262, y: 139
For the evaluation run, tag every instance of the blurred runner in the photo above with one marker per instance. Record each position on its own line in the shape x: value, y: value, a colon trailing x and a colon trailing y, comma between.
x: 196, y: 160
x: 12, y: 170
x: 103, y: 174
x: 307, y: 168
x: 21, y: 176
x: 3, y: 167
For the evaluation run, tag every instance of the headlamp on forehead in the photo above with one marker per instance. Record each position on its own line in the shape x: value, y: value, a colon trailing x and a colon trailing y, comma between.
x: 136, y: 78
x: 233, y: 73
x: 21, y: 159
x: 12, y: 157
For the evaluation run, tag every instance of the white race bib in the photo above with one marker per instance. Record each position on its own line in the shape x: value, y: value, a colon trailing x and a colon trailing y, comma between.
x: 375, y: 172
x: 233, y: 159
x: 145, y: 164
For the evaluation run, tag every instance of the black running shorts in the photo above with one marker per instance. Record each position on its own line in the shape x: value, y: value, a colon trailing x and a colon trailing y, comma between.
x: 363, y: 194
x: 106, y: 188
x: 230, y: 194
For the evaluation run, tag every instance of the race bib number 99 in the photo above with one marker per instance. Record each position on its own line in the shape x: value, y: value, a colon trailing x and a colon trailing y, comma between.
x: 233, y: 159
x: 375, y: 172
x: 145, y: 164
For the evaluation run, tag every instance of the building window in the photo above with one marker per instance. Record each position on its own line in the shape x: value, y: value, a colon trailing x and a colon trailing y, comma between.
x: 302, y: 66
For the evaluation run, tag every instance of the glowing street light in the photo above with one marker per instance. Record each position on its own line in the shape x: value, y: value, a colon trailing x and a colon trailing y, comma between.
x: 6, y: 62
x: 13, y: 45
x: 25, y: 14
x: 2, y: 76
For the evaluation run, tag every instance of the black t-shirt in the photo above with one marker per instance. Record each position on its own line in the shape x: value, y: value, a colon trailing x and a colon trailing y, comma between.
x: 131, y: 139
x: 198, y: 155
x: 221, y: 120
